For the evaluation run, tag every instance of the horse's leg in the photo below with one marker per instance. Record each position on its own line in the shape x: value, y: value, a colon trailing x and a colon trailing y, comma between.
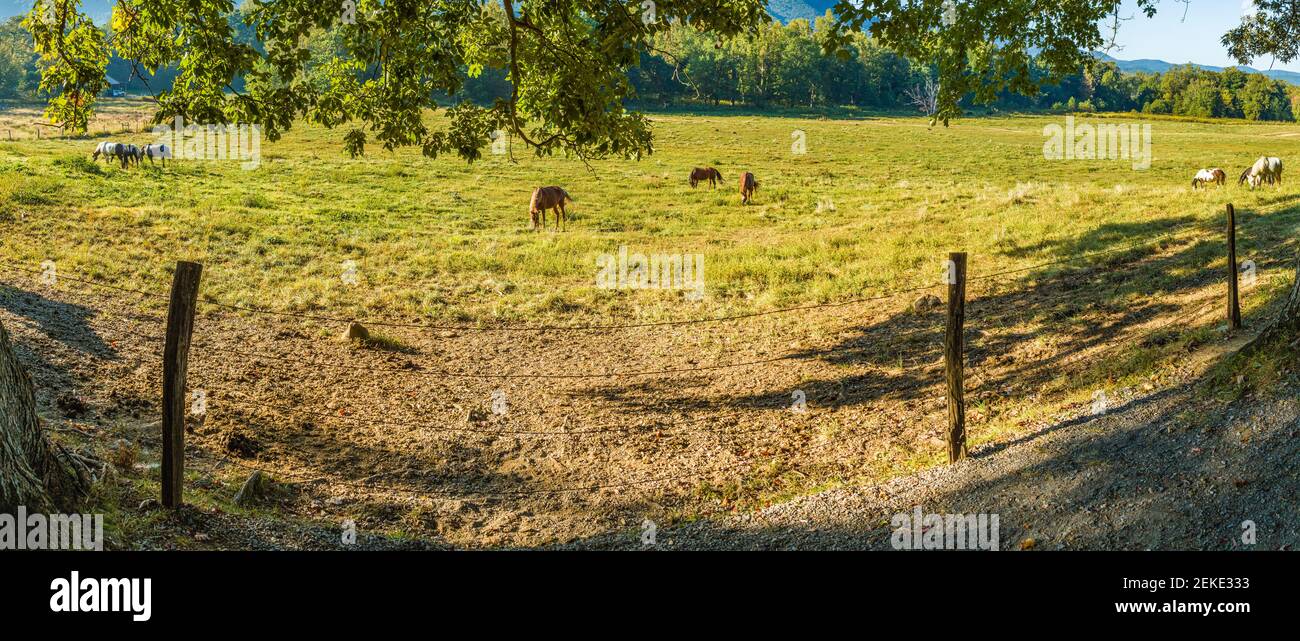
x: 564, y: 216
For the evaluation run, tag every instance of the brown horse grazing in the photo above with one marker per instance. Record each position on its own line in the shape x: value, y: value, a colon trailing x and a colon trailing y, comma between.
x: 547, y: 198
x: 747, y: 187
x: 710, y: 174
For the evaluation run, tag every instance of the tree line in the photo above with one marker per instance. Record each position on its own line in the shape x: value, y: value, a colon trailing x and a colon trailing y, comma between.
x: 783, y: 65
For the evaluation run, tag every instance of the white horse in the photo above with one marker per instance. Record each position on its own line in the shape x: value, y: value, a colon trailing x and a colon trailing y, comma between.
x: 161, y: 152
x: 1275, y: 169
x: 1265, y: 170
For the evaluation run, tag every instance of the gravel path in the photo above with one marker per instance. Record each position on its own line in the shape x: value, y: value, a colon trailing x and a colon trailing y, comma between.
x: 1165, y: 471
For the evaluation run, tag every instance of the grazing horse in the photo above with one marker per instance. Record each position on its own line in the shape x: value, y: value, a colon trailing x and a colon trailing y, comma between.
x: 1265, y: 170
x: 1275, y: 169
x: 701, y: 174
x: 161, y: 152
x: 109, y: 150
x: 747, y: 187
x: 1207, y: 176
x: 131, y: 155
x: 547, y: 198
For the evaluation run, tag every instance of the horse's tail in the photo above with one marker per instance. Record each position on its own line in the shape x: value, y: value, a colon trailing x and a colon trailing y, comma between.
x: 566, y: 195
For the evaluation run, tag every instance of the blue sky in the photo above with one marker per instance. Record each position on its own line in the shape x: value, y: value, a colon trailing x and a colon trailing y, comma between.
x: 1171, y: 38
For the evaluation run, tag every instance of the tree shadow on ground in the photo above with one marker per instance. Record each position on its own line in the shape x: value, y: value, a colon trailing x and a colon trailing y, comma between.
x: 1020, y: 331
x: 1166, y: 471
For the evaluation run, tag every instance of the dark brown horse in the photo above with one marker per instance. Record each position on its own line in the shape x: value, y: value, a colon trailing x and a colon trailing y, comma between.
x: 747, y: 187
x: 710, y: 174
x: 548, y: 198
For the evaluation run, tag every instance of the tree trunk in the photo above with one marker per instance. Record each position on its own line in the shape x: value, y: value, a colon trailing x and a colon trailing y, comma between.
x: 32, y: 473
x: 1285, y: 328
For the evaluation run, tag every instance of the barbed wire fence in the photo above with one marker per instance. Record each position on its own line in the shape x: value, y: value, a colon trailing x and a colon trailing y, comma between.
x: 959, y: 376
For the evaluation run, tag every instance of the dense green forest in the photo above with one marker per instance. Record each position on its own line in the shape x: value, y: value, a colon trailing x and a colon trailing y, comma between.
x: 783, y: 66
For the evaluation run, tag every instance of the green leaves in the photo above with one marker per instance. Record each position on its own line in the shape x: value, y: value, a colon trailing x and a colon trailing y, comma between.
x: 378, y: 65
x: 73, y: 56
x: 1272, y: 30
x: 982, y: 47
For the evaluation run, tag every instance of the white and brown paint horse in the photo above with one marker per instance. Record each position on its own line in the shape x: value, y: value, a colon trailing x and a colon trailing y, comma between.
x: 1207, y: 176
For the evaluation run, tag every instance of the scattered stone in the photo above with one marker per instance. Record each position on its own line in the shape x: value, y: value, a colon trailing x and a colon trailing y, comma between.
x: 241, y: 445
x: 255, y: 489
x: 476, y: 415
x: 71, y: 405
x: 123, y: 454
x: 356, y: 332
x: 926, y: 303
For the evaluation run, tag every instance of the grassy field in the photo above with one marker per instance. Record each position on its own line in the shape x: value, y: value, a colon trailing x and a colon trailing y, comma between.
x: 872, y: 204
x: 875, y: 204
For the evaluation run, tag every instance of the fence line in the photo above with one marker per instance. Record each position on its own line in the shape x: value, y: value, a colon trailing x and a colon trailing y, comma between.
x: 956, y: 376
x: 885, y: 295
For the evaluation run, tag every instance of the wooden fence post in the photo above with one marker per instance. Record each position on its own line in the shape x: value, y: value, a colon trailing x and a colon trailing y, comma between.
x: 954, y: 354
x: 176, y: 355
x: 1234, y: 303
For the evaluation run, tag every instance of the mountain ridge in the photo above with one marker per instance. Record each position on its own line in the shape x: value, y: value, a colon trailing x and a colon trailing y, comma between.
x: 1150, y: 65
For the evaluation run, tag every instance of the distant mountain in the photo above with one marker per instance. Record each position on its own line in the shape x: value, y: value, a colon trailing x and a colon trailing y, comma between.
x: 787, y: 10
x: 98, y: 10
x: 1160, y: 66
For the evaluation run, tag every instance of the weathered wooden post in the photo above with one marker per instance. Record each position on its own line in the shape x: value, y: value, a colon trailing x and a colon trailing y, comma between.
x: 1234, y: 303
x: 953, y: 355
x: 176, y: 355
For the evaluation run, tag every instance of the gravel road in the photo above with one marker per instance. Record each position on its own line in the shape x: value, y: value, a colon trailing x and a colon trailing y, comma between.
x: 1163, y: 471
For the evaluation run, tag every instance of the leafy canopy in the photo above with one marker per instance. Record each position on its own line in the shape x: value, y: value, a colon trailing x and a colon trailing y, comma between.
x: 566, y: 60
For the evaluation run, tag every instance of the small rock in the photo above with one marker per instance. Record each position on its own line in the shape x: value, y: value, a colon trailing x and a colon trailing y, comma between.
x: 356, y: 332
x: 926, y: 303
x: 71, y: 405
x: 256, y: 488
x: 242, y: 445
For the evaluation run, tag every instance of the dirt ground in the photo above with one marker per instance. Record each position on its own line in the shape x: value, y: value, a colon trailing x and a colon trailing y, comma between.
x: 500, y: 438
